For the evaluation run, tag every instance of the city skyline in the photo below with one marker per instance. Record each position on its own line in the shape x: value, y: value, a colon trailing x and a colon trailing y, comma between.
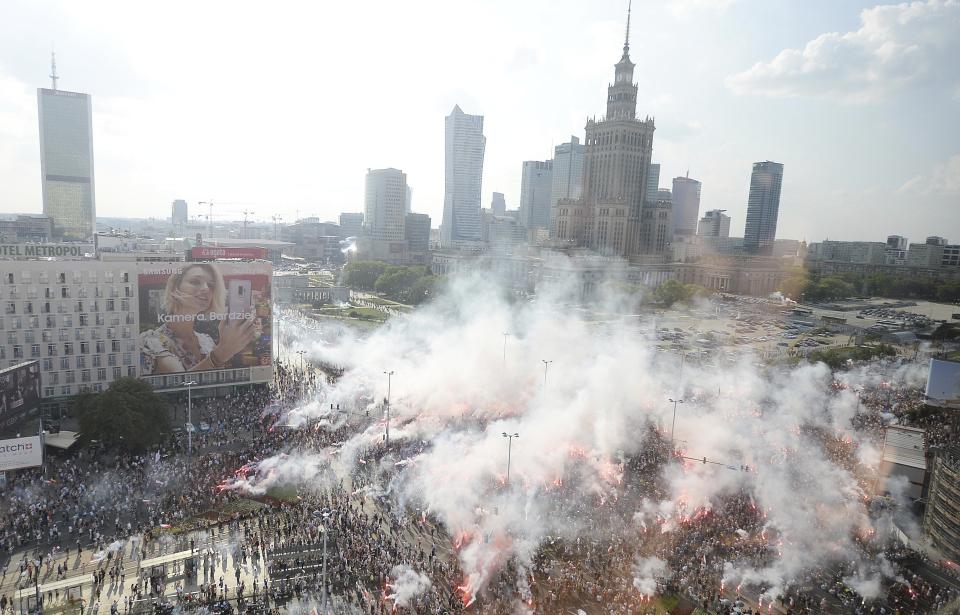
x: 163, y: 129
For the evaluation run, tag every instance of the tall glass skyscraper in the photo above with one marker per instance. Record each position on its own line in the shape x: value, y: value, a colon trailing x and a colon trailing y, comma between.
x: 763, y: 207
x: 463, y: 176
x: 66, y: 162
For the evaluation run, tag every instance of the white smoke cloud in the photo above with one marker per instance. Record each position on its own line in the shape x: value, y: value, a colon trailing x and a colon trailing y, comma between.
x: 453, y: 395
x: 406, y: 585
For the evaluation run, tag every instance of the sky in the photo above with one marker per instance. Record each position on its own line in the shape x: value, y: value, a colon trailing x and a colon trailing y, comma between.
x: 282, y: 111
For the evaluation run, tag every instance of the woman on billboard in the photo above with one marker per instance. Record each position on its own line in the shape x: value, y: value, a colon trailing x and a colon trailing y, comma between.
x: 195, y: 294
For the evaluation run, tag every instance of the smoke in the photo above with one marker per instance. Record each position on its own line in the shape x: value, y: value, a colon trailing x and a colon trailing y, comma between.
x: 588, y: 394
x: 407, y: 584
x: 645, y: 572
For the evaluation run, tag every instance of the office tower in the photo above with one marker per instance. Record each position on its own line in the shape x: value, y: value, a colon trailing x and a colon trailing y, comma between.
x: 351, y: 224
x: 385, y: 204
x: 763, y: 206
x: 463, y: 176
x: 535, y: 190
x: 935, y: 240
x: 686, y: 205
x: 178, y: 213
x: 498, y: 204
x: 409, y: 198
x: 567, y: 175
x: 653, y: 182
x: 714, y: 223
x: 417, y: 234
x: 66, y: 160
x: 616, y: 166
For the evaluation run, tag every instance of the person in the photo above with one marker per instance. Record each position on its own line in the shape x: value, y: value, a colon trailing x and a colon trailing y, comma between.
x: 194, y: 294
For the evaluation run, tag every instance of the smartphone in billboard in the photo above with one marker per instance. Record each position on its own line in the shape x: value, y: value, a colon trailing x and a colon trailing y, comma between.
x: 238, y: 297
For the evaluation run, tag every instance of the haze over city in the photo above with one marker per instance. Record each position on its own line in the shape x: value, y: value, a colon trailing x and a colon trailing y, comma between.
x: 283, y: 112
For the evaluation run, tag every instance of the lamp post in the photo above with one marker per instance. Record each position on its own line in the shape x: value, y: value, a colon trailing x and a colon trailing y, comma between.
x: 189, y: 386
x: 546, y: 365
x: 387, y: 433
x: 301, y: 353
x: 509, y: 437
x: 324, y: 516
x: 505, y: 336
x: 674, y: 423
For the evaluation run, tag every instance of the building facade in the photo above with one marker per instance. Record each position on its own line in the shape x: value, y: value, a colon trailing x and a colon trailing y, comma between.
x: 351, y: 224
x: 25, y: 228
x: 653, y: 182
x: 179, y: 213
x: 714, y: 223
x: 941, y: 519
x: 463, y: 177
x: 536, y: 188
x: 616, y: 165
x: 385, y: 204
x: 498, y: 204
x: 763, y: 207
x: 567, y: 175
x: 686, y: 205
x: 66, y: 162
x: 417, y: 234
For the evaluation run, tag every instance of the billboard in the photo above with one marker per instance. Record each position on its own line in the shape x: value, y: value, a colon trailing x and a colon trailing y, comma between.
x: 19, y: 393
x: 201, y: 253
x: 20, y: 453
x: 943, y: 383
x: 204, y: 316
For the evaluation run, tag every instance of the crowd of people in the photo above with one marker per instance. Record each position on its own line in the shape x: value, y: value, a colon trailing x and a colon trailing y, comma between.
x: 117, y: 508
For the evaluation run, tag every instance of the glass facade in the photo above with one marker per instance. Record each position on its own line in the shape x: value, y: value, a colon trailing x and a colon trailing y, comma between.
x: 66, y: 162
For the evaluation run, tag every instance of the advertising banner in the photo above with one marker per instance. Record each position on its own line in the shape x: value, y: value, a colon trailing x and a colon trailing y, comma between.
x: 204, y: 316
x: 201, y: 253
x: 943, y: 383
x: 19, y: 393
x: 20, y: 453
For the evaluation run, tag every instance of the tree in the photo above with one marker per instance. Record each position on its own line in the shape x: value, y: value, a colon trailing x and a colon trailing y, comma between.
x: 129, y: 414
x: 363, y: 275
x: 795, y: 286
x: 670, y: 292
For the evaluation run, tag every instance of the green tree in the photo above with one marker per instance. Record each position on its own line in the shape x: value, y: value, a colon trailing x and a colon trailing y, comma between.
x: 795, y: 286
x: 129, y: 414
x: 670, y: 292
x: 363, y: 275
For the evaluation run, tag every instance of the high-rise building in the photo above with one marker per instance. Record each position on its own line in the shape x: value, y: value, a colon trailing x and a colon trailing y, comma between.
x: 417, y: 234
x: 714, y: 223
x: 66, y: 161
x: 653, y: 182
x: 616, y: 166
x: 686, y: 205
x: 535, y: 190
x: 567, y: 174
x: 935, y: 240
x: 498, y: 204
x: 409, y: 198
x: 351, y: 224
x: 463, y: 177
x: 385, y: 204
x: 896, y: 242
x: 179, y: 213
x: 763, y: 207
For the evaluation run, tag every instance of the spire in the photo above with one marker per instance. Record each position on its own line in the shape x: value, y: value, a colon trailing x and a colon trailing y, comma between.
x: 53, y: 69
x: 626, y: 39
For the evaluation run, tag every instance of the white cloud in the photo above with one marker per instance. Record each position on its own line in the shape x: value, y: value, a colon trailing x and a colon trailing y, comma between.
x: 896, y: 46
x: 944, y: 180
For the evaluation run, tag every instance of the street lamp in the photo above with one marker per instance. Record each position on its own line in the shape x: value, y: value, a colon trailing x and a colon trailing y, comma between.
x: 301, y: 353
x: 510, y: 437
x: 189, y: 386
x: 324, y: 516
x: 546, y: 365
x: 674, y: 423
x: 387, y: 434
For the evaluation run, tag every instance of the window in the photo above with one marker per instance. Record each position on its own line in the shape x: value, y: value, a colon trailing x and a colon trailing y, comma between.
x: 51, y: 321
x: 34, y: 351
x: 112, y: 360
x: 34, y: 322
x: 77, y: 277
x: 64, y: 362
x: 11, y: 337
x: 102, y: 373
x: 101, y: 320
x: 54, y: 377
x: 65, y: 292
x: 48, y: 391
x: 97, y: 360
x: 51, y: 350
x: 11, y: 307
x: 127, y: 358
x: 84, y: 347
x: 64, y: 335
x: 68, y: 320
x: 111, y: 333
x: 108, y: 276
x: 85, y: 375
x: 125, y: 305
x: 115, y: 346
x: 117, y: 373
x: 101, y: 347
x: 9, y: 278
x: 110, y: 305
x: 28, y: 307
x: 45, y: 308
x: 26, y: 276
x: 81, y: 362
x: 78, y: 307
x: 98, y: 388
x: 47, y: 365
x: 66, y: 390
x: 44, y: 278
x: 125, y: 332
x: 132, y: 371
x: 70, y: 377
x: 92, y: 276
x: 84, y: 320
x: 18, y: 352
x: 61, y: 278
